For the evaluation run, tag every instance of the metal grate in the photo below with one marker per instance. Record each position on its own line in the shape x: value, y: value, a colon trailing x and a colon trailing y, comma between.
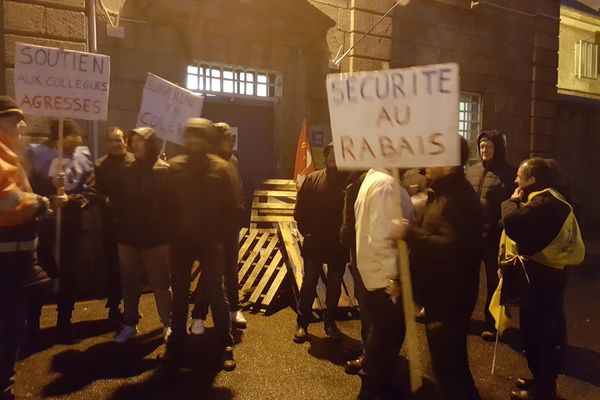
x: 469, y: 120
x: 586, y: 60
x: 219, y: 80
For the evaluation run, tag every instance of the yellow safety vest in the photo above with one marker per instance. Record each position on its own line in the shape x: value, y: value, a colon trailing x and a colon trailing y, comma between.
x: 567, y: 248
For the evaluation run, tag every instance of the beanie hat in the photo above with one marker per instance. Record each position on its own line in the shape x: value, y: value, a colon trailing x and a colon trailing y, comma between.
x: 223, y: 130
x: 8, y: 106
x: 200, y: 127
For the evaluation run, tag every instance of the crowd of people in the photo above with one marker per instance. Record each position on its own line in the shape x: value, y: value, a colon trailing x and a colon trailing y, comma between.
x: 161, y: 217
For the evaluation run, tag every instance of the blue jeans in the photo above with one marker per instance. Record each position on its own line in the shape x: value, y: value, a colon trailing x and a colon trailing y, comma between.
x: 14, y: 268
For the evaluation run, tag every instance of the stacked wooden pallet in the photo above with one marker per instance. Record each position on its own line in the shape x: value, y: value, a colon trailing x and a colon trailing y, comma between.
x: 273, y: 202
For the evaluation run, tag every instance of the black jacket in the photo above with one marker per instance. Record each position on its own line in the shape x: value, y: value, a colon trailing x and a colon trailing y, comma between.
x: 139, y: 203
x: 318, y: 212
x: 446, y: 249
x: 201, y: 199
x: 348, y: 229
x: 104, y: 181
x: 493, y: 182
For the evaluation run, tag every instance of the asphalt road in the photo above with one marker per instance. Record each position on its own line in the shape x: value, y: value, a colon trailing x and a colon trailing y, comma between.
x: 271, y: 366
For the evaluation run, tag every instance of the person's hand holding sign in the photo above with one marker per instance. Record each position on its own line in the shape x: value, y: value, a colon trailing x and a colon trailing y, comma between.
x: 61, y: 199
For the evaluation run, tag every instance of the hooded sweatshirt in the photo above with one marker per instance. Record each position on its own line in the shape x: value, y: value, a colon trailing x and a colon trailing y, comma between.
x: 493, y: 181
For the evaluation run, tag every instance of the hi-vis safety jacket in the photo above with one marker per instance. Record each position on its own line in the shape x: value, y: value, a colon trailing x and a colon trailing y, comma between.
x: 567, y: 248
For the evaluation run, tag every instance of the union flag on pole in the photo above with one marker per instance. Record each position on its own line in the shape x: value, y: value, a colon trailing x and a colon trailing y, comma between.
x: 304, y: 162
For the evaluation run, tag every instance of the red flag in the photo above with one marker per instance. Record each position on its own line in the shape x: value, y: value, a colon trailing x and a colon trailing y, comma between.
x: 304, y: 162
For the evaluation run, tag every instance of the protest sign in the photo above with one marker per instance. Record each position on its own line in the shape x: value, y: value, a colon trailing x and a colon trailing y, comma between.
x: 166, y: 107
x: 51, y: 82
x: 395, y: 118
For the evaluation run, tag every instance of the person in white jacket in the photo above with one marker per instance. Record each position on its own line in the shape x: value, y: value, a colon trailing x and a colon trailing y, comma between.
x: 380, y: 206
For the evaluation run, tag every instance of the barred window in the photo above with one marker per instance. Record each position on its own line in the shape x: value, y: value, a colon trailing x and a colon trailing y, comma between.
x: 216, y: 79
x: 469, y: 120
x: 586, y: 60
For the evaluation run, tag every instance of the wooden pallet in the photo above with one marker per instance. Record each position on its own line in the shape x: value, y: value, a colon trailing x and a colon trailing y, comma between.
x: 273, y: 202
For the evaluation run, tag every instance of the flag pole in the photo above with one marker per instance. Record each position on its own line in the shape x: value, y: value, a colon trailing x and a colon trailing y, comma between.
x: 412, y: 341
x: 60, y: 190
x: 497, y: 340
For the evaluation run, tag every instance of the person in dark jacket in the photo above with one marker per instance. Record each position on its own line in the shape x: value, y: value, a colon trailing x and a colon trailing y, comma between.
x: 102, y: 184
x: 446, y: 250
x: 201, y: 200
x: 47, y: 174
x: 348, y: 240
x: 223, y: 148
x: 318, y: 213
x: 493, y: 181
x: 533, y: 219
x: 141, y: 220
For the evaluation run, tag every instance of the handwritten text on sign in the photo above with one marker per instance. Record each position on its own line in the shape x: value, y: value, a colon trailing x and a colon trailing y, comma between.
x: 50, y: 82
x: 166, y: 107
x: 395, y: 118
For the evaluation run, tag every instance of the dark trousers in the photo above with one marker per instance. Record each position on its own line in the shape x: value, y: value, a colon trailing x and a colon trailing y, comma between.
x: 308, y: 291
x: 66, y: 270
x: 231, y: 248
x: 14, y: 267
x: 385, y: 339
x: 449, y: 357
x: 543, y: 327
x: 111, y: 263
x: 490, y: 263
x: 360, y: 292
x: 210, y: 257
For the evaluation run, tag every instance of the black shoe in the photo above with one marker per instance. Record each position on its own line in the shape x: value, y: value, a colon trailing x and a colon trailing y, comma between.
x: 353, y: 367
x: 333, y: 332
x: 36, y: 276
x: 300, y: 335
x: 531, y: 394
x: 488, y: 335
x: 524, y: 384
x: 229, y: 363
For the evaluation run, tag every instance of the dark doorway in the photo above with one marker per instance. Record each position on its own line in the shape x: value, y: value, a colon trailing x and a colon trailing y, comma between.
x: 255, y: 138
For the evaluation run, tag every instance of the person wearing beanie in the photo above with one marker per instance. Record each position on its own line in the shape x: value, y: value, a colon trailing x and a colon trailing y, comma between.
x: 318, y: 212
x: 201, y: 199
x: 139, y: 200
x: 492, y: 178
x: 20, y: 209
x: 223, y: 148
x: 446, y: 251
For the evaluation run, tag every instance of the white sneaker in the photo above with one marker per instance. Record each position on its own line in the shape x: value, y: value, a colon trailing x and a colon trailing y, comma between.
x: 127, y: 332
x: 166, y: 333
x: 197, y: 327
x: 237, y: 318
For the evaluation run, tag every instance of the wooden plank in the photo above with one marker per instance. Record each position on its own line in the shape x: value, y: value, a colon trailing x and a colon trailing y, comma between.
x: 292, y: 252
x: 262, y: 284
x: 274, y: 287
x: 275, y: 193
x: 243, y: 232
x: 271, y: 218
x: 266, y: 254
x: 248, y: 242
x: 275, y: 213
x: 253, y: 254
x: 273, y: 206
x: 279, y: 182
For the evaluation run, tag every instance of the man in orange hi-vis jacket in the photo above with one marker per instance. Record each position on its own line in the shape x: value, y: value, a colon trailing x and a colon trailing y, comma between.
x: 19, y: 208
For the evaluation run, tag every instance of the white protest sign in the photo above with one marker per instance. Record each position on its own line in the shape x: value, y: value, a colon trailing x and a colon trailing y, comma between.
x: 51, y: 82
x: 166, y: 107
x: 401, y: 118
x: 236, y: 137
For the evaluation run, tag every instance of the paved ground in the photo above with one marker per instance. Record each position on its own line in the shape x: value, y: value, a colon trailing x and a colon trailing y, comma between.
x: 271, y: 366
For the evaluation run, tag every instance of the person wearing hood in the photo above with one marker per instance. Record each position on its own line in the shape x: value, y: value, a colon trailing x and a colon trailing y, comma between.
x: 201, y: 201
x: 492, y: 178
x: 223, y: 148
x: 446, y: 250
x: 140, y: 210
x: 318, y: 212
x: 19, y: 212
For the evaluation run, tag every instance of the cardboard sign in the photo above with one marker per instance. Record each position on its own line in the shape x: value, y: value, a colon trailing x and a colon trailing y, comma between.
x: 401, y: 118
x: 166, y: 107
x: 50, y: 82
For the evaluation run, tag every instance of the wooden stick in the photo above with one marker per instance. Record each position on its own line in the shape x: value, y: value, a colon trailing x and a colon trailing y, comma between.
x: 412, y: 341
x: 497, y: 340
